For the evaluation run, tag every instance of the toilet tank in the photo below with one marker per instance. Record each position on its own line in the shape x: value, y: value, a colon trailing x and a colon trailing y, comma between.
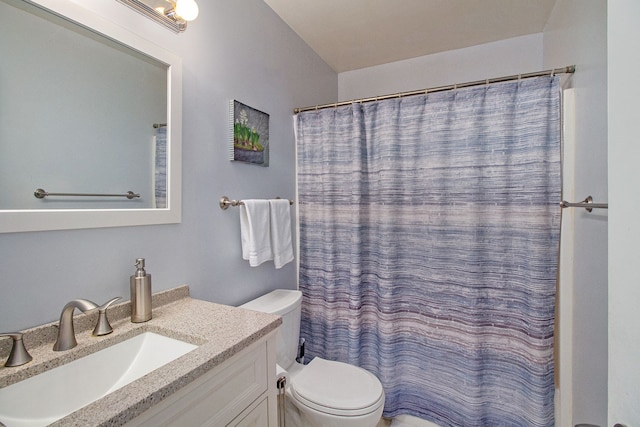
x: 288, y: 304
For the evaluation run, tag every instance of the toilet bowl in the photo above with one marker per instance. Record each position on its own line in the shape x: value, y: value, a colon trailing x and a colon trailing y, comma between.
x: 323, y: 393
x: 337, y: 394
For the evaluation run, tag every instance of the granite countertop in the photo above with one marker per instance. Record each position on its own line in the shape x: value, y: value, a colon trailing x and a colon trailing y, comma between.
x: 220, y: 332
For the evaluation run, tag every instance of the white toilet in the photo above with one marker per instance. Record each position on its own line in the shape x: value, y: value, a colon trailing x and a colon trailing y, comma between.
x: 324, y: 393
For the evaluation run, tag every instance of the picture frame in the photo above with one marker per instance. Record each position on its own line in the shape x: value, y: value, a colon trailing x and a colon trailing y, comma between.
x: 248, y: 134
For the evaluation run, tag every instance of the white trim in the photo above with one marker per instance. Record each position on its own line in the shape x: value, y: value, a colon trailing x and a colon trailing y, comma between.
x: 564, y: 398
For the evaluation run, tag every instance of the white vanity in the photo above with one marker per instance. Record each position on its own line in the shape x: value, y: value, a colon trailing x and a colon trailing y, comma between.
x: 229, y: 379
x: 238, y: 392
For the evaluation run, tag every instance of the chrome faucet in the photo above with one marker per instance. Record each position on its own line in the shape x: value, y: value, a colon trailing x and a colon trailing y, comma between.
x: 66, y: 334
x: 19, y: 354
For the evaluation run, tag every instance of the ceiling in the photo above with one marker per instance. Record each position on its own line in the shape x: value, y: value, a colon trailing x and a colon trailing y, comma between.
x: 353, y: 34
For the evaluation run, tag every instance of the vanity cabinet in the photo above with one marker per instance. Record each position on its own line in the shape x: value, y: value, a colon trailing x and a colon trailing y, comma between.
x: 241, y: 391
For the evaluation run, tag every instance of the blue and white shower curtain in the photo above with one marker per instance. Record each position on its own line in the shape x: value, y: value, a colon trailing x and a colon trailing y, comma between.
x: 429, y: 235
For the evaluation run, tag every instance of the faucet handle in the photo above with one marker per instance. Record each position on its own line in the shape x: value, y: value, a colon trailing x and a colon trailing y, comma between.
x: 103, y: 327
x: 19, y: 354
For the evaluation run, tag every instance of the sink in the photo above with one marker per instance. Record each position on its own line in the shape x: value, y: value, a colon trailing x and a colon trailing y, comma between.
x: 54, y: 394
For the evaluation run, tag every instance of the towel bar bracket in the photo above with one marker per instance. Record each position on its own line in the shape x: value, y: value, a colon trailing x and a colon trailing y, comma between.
x: 587, y: 204
x: 225, y: 202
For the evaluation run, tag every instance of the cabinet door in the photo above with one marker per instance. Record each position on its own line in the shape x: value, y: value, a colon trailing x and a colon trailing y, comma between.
x: 257, y: 417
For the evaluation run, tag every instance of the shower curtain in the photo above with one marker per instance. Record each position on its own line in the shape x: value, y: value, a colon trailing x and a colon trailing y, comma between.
x: 160, y: 167
x: 429, y: 235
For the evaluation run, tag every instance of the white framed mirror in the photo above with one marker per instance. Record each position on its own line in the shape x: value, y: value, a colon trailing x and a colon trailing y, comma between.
x: 87, y: 108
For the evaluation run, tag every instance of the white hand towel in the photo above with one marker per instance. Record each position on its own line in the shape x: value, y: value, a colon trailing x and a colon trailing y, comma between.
x: 254, y: 232
x: 281, y: 232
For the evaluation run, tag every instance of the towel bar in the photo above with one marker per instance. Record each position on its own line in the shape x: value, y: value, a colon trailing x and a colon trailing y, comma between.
x: 41, y: 194
x: 225, y: 202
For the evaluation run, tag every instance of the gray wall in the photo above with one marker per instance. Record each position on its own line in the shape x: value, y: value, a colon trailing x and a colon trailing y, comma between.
x: 235, y: 50
x: 576, y: 34
x: 501, y: 58
x: 623, y: 62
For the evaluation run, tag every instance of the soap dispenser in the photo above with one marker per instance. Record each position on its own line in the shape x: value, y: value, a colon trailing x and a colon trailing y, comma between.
x: 140, y: 294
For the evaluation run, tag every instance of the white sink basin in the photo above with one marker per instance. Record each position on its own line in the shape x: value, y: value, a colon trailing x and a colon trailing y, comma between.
x: 51, y: 395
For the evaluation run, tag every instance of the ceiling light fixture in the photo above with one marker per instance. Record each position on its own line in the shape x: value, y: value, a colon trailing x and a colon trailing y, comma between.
x: 173, y: 14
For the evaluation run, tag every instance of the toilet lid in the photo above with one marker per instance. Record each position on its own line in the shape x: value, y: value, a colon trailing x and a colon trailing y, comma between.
x: 337, y: 388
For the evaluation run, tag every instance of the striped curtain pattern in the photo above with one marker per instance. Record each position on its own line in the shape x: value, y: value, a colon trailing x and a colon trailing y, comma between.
x: 160, y: 170
x: 429, y: 235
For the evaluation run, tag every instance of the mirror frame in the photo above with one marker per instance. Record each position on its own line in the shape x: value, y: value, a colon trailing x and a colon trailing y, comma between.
x: 68, y: 219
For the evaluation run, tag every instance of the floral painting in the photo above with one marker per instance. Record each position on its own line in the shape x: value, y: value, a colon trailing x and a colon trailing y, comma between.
x: 249, y: 134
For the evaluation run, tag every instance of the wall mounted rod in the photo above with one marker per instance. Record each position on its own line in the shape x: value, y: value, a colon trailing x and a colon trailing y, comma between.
x: 586, y: 203
x: 41, y: 194
x: 159, y: 125
x: 564, y: 70
x: 225, y: 202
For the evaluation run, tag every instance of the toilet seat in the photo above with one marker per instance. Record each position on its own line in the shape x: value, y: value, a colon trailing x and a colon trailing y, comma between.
x: 337, y: 388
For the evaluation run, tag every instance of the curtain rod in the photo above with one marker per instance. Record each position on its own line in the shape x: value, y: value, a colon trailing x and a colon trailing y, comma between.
x: 564, y: 70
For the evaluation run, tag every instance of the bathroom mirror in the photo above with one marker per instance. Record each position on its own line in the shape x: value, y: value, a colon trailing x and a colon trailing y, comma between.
x: 88, y: 110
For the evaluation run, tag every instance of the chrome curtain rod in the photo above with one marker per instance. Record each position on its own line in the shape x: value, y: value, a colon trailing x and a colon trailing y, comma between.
x: 564, y: 70
x: 225, y: 202
x: 41, y: 194
x: 586, y: 203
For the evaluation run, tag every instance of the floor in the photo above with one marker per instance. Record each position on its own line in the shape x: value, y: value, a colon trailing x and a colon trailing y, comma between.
x: 405, y: 421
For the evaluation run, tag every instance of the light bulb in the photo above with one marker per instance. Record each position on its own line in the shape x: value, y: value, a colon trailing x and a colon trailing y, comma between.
x: 187, y: 9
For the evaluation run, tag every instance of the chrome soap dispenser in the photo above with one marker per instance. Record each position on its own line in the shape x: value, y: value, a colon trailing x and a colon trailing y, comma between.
x: 140, y: 294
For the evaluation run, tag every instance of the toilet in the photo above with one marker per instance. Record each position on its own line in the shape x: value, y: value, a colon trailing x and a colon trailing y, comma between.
x: 323, y: 393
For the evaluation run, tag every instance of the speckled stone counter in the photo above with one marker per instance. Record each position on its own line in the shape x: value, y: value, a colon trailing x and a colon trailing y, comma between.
x: 220, y: 332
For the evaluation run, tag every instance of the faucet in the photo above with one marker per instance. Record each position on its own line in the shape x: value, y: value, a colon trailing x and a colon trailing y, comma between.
x: 19, y: 354
x: 66, y: 334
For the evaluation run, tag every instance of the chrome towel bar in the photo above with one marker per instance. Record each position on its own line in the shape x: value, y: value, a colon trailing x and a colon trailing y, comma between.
x: 225, y: 202
x: 41, y: 194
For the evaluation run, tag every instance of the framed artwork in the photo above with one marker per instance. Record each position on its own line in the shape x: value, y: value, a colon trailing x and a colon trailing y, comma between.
x: 249, y: 134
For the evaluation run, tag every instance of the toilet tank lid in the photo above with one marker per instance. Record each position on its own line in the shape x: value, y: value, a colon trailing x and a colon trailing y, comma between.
x: 278, y: 302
